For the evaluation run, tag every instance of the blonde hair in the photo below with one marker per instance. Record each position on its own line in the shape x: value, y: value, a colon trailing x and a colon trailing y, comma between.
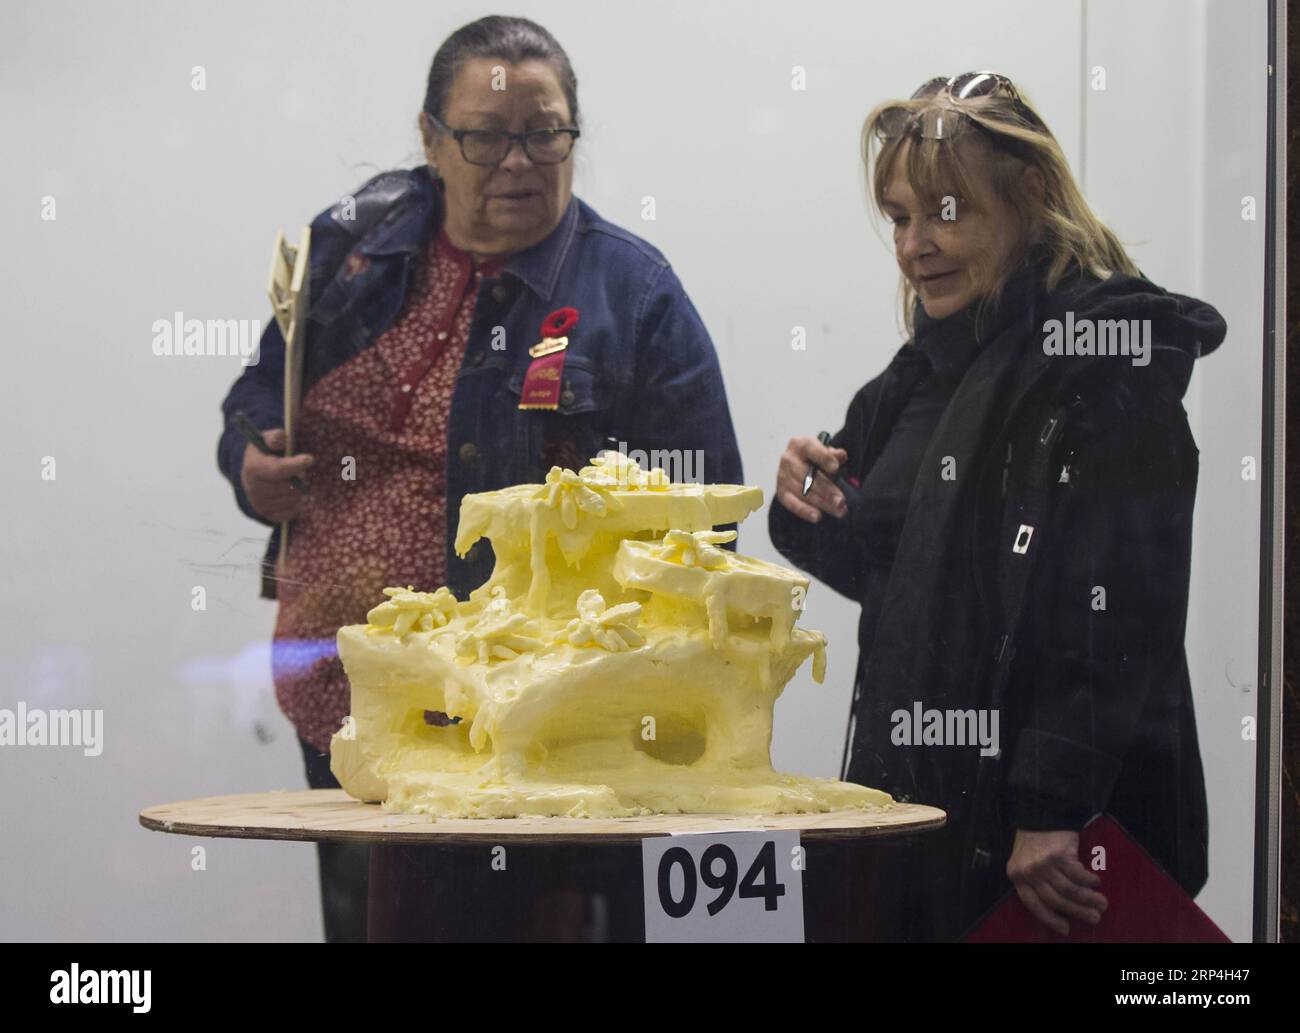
x: 1056, y: 222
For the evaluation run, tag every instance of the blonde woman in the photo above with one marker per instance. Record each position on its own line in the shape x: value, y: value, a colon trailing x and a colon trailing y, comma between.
x: 1010, y: 502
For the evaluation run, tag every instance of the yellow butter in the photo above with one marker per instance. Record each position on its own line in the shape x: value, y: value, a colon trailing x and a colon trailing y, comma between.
x: 617, y: 663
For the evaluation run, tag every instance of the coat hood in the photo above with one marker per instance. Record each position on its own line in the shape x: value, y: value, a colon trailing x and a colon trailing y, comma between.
x: 1164, y: 332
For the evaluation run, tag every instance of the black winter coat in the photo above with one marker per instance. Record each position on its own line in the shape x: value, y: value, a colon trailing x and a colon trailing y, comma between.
x: 1046, y: 581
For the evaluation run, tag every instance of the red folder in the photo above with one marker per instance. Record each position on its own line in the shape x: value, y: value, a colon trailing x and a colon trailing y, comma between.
x: 1146, y: 905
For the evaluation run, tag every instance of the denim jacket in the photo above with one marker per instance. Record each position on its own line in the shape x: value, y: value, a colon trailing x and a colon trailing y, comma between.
x: 640, y: 367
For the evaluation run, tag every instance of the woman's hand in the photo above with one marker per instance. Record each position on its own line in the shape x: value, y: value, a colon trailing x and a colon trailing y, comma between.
x: 266, y: 479
x: 1051, y: 880
x: 824, y: 497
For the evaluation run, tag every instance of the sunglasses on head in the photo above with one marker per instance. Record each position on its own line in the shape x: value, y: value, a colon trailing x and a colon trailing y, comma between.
x: 941, y: 124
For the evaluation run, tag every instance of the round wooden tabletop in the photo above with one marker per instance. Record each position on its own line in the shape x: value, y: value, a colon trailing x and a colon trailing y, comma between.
x: 330, y: 814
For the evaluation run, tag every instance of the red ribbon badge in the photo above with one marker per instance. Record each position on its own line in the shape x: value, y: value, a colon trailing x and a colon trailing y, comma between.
x: 541, y: 388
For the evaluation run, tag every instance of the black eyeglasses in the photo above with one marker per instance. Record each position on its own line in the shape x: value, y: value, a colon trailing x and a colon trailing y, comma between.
x: 490, y: 146
x: 938, y: 124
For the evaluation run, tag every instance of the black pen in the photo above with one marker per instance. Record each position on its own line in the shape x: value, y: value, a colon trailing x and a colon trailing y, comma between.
x: 254, y: 436
x: 825, y: 439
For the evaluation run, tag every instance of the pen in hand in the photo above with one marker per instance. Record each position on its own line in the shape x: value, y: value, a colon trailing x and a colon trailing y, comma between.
x: 825, y: 439
x: 254, y: 437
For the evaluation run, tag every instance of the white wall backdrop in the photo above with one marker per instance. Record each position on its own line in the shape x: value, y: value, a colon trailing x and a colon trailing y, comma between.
x: 167, y: 200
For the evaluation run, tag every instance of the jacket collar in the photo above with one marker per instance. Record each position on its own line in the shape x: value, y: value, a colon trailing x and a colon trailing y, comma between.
x: 408, y: 226
x: 539, y: 266
x: 411, y: 219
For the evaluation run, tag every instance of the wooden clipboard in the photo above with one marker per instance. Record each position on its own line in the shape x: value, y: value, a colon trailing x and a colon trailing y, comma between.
x: 289, y: 287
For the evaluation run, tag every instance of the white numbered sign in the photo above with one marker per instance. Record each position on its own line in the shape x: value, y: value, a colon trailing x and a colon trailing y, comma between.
x: 724, y: 887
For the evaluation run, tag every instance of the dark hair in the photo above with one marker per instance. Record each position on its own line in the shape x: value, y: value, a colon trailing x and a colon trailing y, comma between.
x: 512, y: 40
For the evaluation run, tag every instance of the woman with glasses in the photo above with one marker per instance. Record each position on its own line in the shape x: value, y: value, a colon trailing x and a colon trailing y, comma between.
x: 425, y: 378
x: 1010, y: 501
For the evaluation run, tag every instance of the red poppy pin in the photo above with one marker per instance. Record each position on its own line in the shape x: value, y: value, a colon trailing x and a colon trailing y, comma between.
x: 560, y: 322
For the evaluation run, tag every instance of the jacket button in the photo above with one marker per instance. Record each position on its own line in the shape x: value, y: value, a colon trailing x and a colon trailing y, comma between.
x: 566, y: 396
x: 500, y: 294
x: 468, y: 453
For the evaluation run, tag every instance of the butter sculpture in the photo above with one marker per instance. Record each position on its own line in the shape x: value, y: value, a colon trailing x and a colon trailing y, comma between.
x: 617, y: 663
